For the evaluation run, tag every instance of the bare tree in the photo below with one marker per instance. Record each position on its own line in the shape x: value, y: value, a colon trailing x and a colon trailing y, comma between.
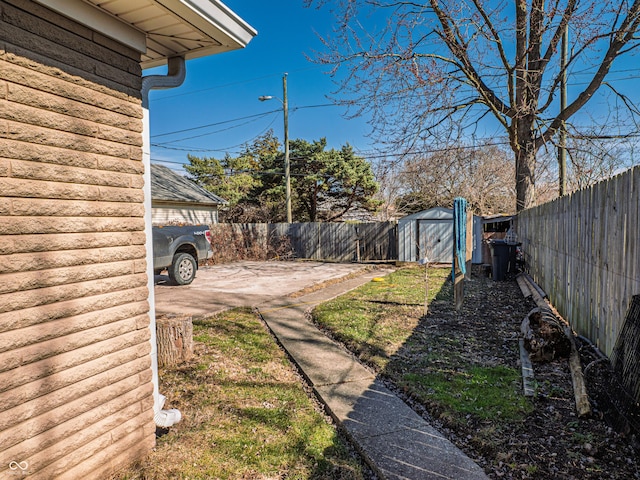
x: 415, y: 66
x: 388, y: 174
x: 598, y: 153
x: 592, y: 160
x: 595, y: 153
x: 482, y: 175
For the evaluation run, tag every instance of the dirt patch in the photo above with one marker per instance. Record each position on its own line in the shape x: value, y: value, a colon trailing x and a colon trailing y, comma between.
x: 552, y: 442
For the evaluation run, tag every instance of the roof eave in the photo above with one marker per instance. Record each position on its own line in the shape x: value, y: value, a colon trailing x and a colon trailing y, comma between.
x: 213, y: 14
x: 218, y: 24
x: 214, y: 19
x: 97, y: 20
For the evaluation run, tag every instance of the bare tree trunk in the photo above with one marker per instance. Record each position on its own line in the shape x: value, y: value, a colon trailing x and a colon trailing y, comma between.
x: 174, y: 339
x: 525, y: 176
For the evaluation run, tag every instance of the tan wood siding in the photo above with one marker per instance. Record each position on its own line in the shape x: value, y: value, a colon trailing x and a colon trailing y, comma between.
x: 191, y: 215
x: 75, y: 369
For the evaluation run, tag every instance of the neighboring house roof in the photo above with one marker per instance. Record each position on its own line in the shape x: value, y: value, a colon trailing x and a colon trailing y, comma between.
x: 168, y: 186
x: 161, y: 29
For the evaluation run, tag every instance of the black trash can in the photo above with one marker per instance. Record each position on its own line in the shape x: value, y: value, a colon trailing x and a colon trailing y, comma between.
x: 503, y: 256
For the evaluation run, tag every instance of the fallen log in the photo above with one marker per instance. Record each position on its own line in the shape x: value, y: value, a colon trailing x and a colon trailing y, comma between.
x: 583, y: 405
x: 544, y: 336
x: 525, y: 326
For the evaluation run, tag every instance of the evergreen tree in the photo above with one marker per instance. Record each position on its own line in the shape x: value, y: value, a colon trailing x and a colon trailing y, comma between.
x: 325, y: 184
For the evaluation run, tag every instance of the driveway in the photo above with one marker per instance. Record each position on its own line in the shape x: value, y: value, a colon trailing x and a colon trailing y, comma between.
x: 243, y: 284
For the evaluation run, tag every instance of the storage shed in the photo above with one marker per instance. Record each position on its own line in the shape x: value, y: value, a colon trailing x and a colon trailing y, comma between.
x: 426, y: 234
x: 429, y: 233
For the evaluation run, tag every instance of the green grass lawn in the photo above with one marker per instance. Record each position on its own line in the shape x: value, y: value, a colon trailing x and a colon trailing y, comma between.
x: 246, y: 413
x: 384, y: 324
x: 376, y: 319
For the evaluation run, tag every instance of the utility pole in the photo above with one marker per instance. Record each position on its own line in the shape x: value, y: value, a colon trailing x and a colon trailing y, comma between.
x: 287, y: 166
x: 562, y: 147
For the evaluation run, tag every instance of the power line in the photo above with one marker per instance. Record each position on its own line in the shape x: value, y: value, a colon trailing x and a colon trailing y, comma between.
x: 203, y: 150
x: 224, y: 122
x: 370, y: 155
x: 255, y: 79
x: 214, y: 124
x: 376, y: 154
x: 255, y: 172
x: 232, y: 84
x: 379, y: 154
x: 207, y: 134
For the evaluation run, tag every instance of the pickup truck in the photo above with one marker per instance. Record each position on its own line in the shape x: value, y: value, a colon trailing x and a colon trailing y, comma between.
x: 179, y: 250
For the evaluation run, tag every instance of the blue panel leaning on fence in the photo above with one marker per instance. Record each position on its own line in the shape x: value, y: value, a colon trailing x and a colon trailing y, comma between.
x: 460, y: 235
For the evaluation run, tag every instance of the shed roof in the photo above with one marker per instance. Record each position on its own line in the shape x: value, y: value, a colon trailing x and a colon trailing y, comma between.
x: 435, y: 213
x: 168, y: 186
x: 161, y: 29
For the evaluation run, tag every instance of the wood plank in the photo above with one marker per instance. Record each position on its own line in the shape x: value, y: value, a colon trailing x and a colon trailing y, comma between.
x: 524, y: 287
x: 528, y: 377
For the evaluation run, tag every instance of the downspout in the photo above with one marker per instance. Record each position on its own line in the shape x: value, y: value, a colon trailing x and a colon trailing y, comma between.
x: 175, y: 76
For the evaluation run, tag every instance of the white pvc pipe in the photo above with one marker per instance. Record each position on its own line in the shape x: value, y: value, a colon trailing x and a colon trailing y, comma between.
x: 174, y: 78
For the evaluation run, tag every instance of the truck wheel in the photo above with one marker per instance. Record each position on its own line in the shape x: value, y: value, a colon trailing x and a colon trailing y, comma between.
x: 183, y: 269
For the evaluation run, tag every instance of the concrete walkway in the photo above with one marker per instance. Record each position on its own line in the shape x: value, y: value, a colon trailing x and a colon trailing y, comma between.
x: 395, y: 441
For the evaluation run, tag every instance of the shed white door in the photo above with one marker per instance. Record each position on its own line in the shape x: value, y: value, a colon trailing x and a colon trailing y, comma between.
x: 435, y: 240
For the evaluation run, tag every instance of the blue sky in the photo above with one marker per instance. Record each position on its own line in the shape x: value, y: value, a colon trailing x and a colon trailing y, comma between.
x: 222, y: 88
x: 221, y: 92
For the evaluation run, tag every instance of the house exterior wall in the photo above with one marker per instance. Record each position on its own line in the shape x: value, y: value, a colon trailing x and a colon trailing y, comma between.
x: 163, y: 214
x: 75, y: 377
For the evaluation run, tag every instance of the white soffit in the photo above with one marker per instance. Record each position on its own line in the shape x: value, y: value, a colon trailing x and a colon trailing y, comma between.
x: 160, y: 29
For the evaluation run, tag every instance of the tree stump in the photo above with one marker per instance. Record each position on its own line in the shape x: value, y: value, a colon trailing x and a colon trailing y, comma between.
x: 174, y: 337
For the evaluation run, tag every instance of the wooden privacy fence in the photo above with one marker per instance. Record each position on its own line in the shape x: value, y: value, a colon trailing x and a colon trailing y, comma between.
x: 335, y: 242
x: 583, y: 249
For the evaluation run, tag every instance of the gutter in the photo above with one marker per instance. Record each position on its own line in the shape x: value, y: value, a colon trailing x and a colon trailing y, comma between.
x: 174, y: 78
